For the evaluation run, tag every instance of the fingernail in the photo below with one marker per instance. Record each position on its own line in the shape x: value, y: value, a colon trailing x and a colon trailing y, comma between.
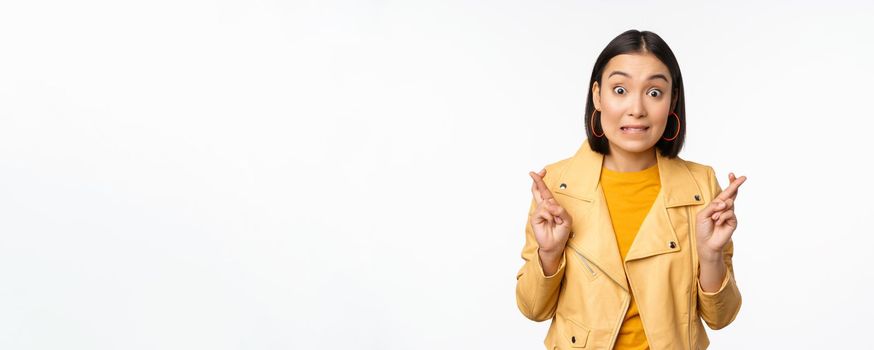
x: 721, y: 204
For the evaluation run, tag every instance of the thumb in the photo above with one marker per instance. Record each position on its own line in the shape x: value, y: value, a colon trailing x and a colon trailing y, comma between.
x: 561, y: 215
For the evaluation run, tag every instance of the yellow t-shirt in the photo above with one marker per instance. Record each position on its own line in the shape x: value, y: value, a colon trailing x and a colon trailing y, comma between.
x: 630, y: 195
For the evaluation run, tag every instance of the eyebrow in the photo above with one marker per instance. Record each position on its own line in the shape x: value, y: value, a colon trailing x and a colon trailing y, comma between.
x: 654, y: 76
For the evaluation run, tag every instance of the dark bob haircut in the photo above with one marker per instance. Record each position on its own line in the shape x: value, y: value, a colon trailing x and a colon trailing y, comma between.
x: 640, y: 42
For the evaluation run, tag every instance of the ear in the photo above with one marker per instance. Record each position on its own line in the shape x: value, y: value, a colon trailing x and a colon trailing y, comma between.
x: 674, y: 99
x: 596, y: 95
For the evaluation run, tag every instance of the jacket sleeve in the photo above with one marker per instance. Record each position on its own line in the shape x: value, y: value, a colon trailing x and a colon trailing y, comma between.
x: 536, y: 293
x: 719, y: 308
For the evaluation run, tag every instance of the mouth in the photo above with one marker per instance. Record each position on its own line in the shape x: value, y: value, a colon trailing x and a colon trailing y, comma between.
x: 634, y: 129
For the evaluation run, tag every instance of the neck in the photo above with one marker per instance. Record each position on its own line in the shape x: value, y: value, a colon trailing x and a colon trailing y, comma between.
x: 623, y: 161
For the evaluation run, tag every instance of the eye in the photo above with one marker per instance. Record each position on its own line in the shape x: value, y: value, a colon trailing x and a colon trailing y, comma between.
x: 619, y: 90
x: 656, y: 91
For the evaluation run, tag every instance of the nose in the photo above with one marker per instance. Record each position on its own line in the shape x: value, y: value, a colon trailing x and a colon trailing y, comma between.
x: 636, y: 109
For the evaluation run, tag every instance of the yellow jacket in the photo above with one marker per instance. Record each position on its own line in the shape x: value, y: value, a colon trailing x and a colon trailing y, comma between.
x: 588, y: 296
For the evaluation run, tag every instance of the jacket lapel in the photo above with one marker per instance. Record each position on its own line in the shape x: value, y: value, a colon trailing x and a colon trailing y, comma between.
x: 593, y: 230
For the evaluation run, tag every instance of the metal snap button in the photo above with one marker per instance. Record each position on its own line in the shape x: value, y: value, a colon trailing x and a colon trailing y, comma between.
x: 697, y: 197
x: 672, y: 244
x: 562, y: 186
x: 573, y: 339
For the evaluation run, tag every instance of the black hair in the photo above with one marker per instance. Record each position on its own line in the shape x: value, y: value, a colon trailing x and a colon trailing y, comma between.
x: 640, y: 42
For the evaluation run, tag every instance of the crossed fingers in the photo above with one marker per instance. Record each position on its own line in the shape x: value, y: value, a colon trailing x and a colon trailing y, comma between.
x: 538, y: 188
x: 728, y: 195
x: 731, y: 190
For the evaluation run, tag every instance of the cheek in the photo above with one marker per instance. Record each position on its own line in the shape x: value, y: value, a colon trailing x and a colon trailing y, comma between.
x: 609, y: 119
x: 610, y: 112
x: 660, y: 124
x: 609, y: 103
x: 660, y: 114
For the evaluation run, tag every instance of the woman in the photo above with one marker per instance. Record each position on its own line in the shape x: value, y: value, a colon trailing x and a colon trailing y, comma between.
x: 627, y: 245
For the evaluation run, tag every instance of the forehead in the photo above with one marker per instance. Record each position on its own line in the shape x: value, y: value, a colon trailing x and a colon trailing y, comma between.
x: 638, y: 66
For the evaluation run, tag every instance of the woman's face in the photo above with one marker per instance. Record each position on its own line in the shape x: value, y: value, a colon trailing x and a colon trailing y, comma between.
x: 636, y: 92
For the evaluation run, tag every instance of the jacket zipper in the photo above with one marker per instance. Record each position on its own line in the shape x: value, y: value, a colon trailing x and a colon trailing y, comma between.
x: 585, y: 262
x: 692, y: 263
x: 626, y: 302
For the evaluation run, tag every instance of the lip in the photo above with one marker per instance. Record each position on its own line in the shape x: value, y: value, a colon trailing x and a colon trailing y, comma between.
x: 624, y: 129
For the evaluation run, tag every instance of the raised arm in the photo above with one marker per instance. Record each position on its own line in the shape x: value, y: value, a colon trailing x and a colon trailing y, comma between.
x: 719, y: 299
x: 546, y: 234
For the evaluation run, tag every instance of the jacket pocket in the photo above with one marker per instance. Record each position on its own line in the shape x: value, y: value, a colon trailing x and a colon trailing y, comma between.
x: 588, y: 268
x: 574, y: 334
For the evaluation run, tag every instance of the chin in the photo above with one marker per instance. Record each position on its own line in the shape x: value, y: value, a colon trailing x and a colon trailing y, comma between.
x: 636, y: 146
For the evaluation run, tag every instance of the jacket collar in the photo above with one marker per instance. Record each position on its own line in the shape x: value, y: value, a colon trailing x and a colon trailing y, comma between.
x: 594, y: 237
x: 582, y: 176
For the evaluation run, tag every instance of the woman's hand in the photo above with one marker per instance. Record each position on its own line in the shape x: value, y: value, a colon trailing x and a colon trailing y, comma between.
x: 551, y: 223
x: 717, y: 222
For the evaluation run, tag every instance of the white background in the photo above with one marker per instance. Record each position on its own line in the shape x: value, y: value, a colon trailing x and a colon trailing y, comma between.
x: 295, y: 175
